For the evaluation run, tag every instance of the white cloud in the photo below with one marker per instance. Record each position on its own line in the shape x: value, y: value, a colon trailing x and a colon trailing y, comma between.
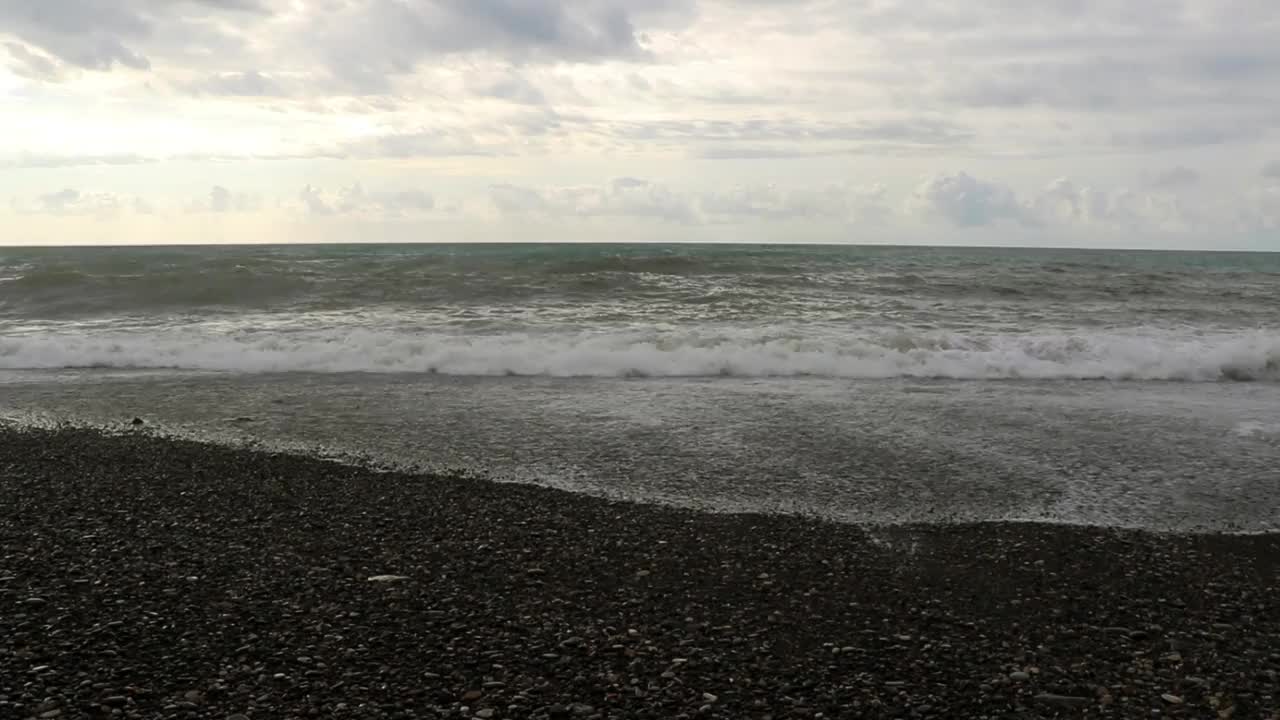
x: 71, y: 202
x: 841, y: 202
x: 31, y: 63
x: 222, y: 201
x: 623, y: 197
x: 637, y: 198
x: 1179, y: 176
x: 355, y: 200
x: 48, y: 161
x: 74, y: 202
x: 965, y: 201
x: 242, y: 84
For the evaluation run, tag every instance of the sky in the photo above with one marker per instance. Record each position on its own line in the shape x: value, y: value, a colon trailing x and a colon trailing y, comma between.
x: 1145, y: 123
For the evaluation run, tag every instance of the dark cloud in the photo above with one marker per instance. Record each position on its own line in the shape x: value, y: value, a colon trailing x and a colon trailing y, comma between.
x: 1193, y: 59
x: 410, y: 31
x: 102, y: 34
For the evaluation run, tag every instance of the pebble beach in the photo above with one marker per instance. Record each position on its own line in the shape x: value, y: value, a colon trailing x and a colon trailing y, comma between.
x: 147, y: 577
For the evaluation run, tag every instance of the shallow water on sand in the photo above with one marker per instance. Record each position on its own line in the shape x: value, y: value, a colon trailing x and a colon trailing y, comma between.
x: 1168, y: 456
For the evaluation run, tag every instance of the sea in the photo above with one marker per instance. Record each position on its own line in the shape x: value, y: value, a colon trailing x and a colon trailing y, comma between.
x: 872, y: 385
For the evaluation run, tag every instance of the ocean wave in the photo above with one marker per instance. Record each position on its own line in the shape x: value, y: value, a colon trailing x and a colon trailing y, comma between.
x: 1138, y: 355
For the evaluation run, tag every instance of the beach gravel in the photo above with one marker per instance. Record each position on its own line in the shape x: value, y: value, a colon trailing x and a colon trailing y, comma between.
x: 142, y: 577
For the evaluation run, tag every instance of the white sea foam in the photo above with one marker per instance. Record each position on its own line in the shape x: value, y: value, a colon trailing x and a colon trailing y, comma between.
x: 1137, y: 355
x: 1257, y: 429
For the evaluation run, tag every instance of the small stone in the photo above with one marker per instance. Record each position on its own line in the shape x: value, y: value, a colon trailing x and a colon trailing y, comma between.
x: 35, y: 601
x: 137, y: 421
x: 387, y: 578
x: 115, y: 701
x: 581, y: 709
x: 48, y: 714
x: 238, y: 716
x: 1019, y: 676
x: 485, y: 714
x: 1171, y: 699
x: 1062, y: 700
x: 708, y: 697
x: 472, y: 695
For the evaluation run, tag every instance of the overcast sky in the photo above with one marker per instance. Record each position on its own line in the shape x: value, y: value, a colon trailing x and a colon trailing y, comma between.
x: 1142, y: 123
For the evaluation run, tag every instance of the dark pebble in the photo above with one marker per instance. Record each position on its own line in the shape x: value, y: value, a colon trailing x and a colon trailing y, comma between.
x: 531, y: 603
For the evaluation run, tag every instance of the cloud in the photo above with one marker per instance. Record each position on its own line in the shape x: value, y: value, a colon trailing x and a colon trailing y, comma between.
x: 512, y: 87
x: 1179, y: 176
x: 42, y: 160
x: 104, y: 34
x: 222, y: 201
x: 839, y: 201
x: 637, y: 198
x: 623, y: 197
x: 355, y: 200
x: 74, y: 202
x: 241, y: 84
x: 420, y: 143
x: 33, y: 64
x: 910, y: 131
x: 1261, y: 210
x: 70, y: 202
x: 520, y: 30
x: 1271, y: 170
x: 965, y: 201
x: 760, y: 152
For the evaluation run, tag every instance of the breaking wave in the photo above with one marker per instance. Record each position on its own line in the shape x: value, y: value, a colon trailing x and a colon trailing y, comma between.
x: 1253, y: 356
